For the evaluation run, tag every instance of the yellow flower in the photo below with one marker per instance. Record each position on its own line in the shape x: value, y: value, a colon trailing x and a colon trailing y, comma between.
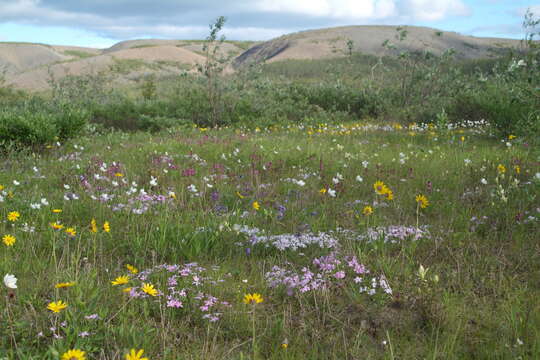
x: 126, y: 290
x: 71, y: 231
x: 13, y: 216
x: 2, y: 187
x: 132, y: 269
x: 65, y: 284
x: 387, y: 192
x: 119, y: 174
x: 322, y: 191
x: 462, y: 138
x: 240, y: 195
x: 422, y: 201
x: 511, y: 137
x: 121, y: 280
x: 57, y: 211
x: 9, y: 240
x: 501, y: 169
x: 379, y: 187
x: 284, y: 345
x: 57, y: 226
x: 149, y: 289
x: 106, y: 227
x: 518, y: 169
x: 256, y: 205
x: 253, y: 299
x: 58, y: 306
x: 93, y: 226
x: 368, y: 210
x: 74, y: 354
x: 136, y: 355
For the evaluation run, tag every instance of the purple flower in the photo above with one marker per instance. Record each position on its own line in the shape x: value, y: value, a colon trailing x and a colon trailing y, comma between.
x: 174, y: 303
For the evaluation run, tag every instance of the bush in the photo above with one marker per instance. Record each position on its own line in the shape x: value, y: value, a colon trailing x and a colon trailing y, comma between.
x: 507, y: 113
x: 26, y: 127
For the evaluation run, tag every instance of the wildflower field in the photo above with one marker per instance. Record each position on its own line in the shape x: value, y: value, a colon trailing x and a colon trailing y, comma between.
x: 322, y: 241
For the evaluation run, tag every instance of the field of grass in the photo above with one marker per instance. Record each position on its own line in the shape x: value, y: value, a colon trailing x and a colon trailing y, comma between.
x: 160, y: 241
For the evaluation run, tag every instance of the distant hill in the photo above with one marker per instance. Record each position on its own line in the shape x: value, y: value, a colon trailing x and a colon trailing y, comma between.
x: 332, y: 42
x: 30, y: 66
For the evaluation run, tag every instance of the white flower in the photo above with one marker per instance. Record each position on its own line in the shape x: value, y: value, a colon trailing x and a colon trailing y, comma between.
x: 153, y: 181
x: 10, y: 281
x: 67, y: 187
x: 332, y: 193
x: 467, y: 161
x: 365, y: 164
x: 335, y: 180
x: 359, y: 178
x: 483, y: 181
x: 44, y: 202
x: 15, y: 182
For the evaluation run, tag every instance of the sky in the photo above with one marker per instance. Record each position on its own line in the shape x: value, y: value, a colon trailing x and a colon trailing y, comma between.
x: 102, y: 23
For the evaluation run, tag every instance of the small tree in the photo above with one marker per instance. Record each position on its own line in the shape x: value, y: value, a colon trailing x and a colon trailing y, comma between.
x: 350, y: 46
x: 213, y: 67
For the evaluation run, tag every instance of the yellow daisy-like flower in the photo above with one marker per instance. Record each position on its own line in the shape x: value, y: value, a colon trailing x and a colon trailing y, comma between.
x: 256, y: 205
x: 57, y: 226
x: 422, y: 201
x: 93, y: 226
x: 106, y: 227
x: 254, y: 298
x: 379, y: 187
x: 2, y: 187
x: 389, y: 194
x: 368, y: 210
x: 121, y: 280
x: 65, y: 284
x: 323, y: 191
x: 8, y: 240
x: 149, y: 289
x: 58, y: 306
x: 13, y: 216
x: 74, y: 354
x: 132, y: 269
x: 57, y: 211
x: 136, y: 355
x: 501, y: 169
x: 71, y: 231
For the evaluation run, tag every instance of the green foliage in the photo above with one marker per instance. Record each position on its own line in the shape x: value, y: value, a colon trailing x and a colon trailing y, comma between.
x: 78, y: 54
x: 37, y: 127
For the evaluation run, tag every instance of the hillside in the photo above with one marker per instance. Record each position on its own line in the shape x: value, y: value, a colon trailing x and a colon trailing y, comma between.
x: 30, y: 66
x: 332, y: 42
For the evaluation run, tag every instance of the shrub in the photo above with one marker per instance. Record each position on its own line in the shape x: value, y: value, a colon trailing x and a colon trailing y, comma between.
x: 26, y: 127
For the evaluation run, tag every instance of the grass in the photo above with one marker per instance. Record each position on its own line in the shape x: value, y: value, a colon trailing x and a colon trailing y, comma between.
x: 187, y: 195
x: 78, y: 54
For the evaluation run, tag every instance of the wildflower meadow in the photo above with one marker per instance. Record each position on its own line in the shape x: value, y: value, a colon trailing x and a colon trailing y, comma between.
x: 324, y: 241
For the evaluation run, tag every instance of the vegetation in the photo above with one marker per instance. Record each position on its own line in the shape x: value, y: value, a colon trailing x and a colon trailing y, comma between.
x: 355, y: 208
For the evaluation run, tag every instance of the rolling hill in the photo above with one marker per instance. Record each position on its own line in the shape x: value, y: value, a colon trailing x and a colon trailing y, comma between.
x: 30, y: 66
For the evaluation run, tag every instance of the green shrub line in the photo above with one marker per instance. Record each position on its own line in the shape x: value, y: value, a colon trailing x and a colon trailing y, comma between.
x: 410, y: 88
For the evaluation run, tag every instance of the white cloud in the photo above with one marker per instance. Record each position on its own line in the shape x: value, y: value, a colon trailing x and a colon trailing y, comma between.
x: 346, y: 9
x: 433, y: 10
x: 423, y: 10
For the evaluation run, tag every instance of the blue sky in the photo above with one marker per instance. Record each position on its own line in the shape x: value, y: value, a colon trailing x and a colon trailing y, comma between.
x: 101, y: 23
